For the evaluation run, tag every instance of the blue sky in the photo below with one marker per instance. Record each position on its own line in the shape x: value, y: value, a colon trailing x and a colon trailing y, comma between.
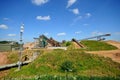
x: 60, y: 19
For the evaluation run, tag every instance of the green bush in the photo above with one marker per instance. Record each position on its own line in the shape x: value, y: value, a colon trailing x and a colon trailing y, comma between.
x: 67, y: 66
x: 68, y: 43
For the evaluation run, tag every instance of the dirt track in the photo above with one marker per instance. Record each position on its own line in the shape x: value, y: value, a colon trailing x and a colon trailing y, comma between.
x: 114, y: 43
x: 113, y: 54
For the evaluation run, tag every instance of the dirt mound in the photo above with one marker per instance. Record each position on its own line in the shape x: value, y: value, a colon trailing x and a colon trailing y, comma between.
x: 76, y: 45
x: 114, y: 43
x: 29, y: 45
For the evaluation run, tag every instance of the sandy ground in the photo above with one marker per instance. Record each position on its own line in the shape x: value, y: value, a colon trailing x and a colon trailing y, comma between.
x: 76, y: 45
x: 3, y: 58
x: 29, y: 45
x: 113, y: 54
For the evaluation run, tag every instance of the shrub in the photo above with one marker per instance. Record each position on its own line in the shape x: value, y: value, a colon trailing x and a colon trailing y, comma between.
x: 68, y: 43
x: 67, y: 66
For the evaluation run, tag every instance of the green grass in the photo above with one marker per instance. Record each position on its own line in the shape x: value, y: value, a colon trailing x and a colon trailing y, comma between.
x: 66, y: 77
x: 92, y: 45
x: 49, y: 63
x: 13, y: 57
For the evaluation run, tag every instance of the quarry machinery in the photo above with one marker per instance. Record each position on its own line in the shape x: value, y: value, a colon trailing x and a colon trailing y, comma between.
x: 78, y: 43
x: 99, y: 37
x: 43, y: 41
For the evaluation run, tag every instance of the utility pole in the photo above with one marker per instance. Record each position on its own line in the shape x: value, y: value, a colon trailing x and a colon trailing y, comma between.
x: 21, y: 46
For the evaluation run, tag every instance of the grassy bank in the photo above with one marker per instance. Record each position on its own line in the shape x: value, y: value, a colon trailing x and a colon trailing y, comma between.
x: 92, y: 45
x: 67, y: 77
x: 72, y: 62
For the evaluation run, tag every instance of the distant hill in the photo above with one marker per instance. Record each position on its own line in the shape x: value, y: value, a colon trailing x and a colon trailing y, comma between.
x: 4, y: 42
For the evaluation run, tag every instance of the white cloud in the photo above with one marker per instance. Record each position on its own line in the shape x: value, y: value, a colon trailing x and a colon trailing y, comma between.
x: 75, y: 11
x: 3, y: 26
x: 45, y: 18
x: 61, y: 34
x: 11, y: 35
x: 39, y: 2
x: 46, y: 34
x: 88, y: 15
x: 78, y: 32
x: 70, y: 3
